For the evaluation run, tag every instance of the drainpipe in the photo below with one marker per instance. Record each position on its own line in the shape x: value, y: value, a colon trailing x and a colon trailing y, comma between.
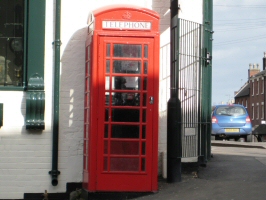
x: 54, y: 172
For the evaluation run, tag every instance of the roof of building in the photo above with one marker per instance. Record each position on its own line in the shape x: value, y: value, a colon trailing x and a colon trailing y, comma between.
x: 244, y: 90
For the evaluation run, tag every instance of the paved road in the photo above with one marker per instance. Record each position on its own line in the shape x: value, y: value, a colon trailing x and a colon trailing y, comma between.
x: 234, y: 173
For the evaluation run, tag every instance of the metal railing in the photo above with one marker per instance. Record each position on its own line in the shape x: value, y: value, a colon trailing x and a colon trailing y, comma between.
x: 190, y: 63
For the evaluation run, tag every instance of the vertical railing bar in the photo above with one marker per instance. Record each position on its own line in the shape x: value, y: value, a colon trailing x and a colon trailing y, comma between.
x: 188, y: 74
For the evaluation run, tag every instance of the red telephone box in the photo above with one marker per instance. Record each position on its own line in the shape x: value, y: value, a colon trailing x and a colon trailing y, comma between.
x: 121, y: 100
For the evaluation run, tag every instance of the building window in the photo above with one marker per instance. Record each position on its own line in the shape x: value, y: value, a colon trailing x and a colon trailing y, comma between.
x: 258, y: 111
x: 22, y: 35
x: 252, y: 111
x: 252, y: 87
x: 11, y: 42
x: 262, y: 85
x: 258, y: 85
x: 262, y: 110
x: 246, y: 103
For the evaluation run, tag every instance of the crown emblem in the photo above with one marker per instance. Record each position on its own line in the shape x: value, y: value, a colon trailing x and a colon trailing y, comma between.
x: 127, y: 15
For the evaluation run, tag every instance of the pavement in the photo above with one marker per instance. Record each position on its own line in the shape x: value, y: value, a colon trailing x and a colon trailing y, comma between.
x: 236, y: 171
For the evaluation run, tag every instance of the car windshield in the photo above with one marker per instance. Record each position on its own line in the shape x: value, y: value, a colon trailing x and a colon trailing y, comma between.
x: 230, y: 111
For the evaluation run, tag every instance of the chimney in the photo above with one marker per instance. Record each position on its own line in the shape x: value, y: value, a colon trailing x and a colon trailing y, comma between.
x: 253, y: 69
x: 264, y: 61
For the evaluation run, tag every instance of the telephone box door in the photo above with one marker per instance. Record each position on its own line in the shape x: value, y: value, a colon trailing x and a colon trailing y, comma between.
x: 126, y: 109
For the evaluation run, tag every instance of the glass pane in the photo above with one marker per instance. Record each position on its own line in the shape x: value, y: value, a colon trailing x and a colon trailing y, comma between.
x: 107, y: 66
x: 124, y: 148
x: 143, y: 164
x: 143, y: 150
x: 106, y: 114
x: 145, y: 67
x: 145, y: 51
x: 125, y: 131
x: 11, y: 42
x: 127, y: 50
x: 108, y: 50
x: 126, y: 66
x: 107, y: 83
x: 89, y: 52
x: 132, y: 83
x: 107, y: 98
x: 106, y: 131
x: 124, y: 164
x: 145, y: 83
x: 143, y: 132
x: 230, y: 111
x: 125, y: 115
x: 143, y: 115
x: 105, y: 147
x: 126, y: 99
x: 126, y: 83
x: 144, y: 103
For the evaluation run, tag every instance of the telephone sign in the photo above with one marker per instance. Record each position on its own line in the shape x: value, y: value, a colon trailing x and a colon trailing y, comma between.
x: 126, y: 25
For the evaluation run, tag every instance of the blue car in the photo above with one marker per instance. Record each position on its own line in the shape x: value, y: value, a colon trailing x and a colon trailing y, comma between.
x: 230, y: 121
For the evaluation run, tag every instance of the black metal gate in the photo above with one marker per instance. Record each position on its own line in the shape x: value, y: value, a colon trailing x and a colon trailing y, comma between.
x: 190, y: 63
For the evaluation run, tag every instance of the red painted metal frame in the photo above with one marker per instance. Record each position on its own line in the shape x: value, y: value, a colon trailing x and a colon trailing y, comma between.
x: 94, y: 79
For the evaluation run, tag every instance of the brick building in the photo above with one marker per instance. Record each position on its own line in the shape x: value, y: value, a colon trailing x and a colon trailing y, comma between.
x: 252, y: 93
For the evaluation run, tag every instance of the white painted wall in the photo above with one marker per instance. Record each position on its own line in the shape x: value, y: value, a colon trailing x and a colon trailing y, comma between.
x: 25, y: 156
x: 189, y: 10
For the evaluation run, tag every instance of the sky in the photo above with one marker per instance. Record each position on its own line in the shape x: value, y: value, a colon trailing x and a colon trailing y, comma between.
x: 239, y: 39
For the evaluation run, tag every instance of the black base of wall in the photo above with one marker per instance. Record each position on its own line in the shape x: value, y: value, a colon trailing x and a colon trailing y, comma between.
x: 40, y: 196
x: 70, y: 187
x: 112, y: 195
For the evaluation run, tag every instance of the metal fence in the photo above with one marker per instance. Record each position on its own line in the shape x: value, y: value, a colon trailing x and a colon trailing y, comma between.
x: 190, y: 62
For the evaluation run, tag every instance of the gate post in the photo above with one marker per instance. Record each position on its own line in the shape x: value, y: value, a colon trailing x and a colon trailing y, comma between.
x: 207, y: 67
x: 174, y: 139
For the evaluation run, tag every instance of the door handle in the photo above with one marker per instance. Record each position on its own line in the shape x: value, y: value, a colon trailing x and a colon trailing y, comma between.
x: 151, y: 100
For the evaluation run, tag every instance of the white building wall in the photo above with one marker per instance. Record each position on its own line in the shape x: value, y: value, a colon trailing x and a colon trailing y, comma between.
x: 189, y: 10
x: 25, y: 156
